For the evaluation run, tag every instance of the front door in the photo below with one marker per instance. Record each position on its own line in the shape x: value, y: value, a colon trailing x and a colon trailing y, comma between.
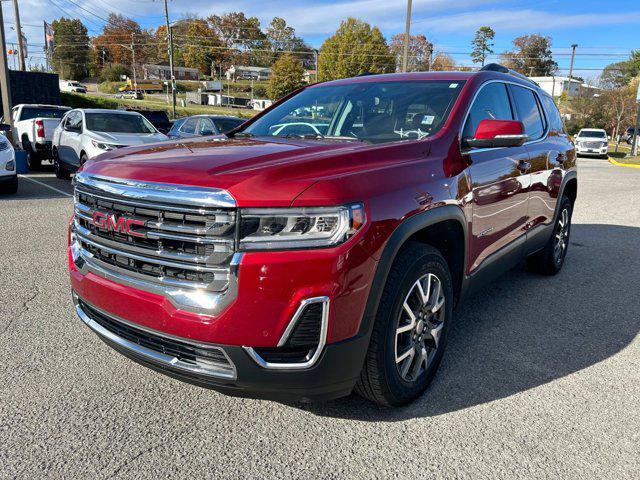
x: 500, y: 181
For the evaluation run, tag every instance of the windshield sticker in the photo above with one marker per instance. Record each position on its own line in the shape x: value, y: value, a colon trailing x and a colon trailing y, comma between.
x: 453, y: 85
x: 428, y: 120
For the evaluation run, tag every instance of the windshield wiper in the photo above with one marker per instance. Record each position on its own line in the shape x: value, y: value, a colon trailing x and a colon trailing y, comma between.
x: 243, y: 135
x: 319, y: 136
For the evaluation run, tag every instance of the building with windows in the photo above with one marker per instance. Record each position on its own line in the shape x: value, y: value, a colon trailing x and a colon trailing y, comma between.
x: 556, y: 86
x: 241, y: 72
x: 162, y: 71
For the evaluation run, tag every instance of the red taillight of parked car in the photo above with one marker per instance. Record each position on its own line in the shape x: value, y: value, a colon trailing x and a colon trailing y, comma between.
x: 39, y: 129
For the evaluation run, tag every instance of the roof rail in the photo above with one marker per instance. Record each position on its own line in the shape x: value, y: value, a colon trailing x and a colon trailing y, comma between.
x: 496, y: 67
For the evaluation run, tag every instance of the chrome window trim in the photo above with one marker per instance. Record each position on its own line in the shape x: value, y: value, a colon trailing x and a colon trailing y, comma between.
x: 513, y: 107
x: 313, y: 358
x: 158, y: 192
x: 169, y: 361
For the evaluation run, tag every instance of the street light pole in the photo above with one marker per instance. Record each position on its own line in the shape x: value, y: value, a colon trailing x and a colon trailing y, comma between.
x: 407, y: 39
x: 573, y: 54
x: 133, y: 66
x: 170, y: 41
x: 21, y: 58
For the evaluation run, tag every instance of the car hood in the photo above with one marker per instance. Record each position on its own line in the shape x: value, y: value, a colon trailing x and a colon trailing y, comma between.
x: 257, y: 172
x: 127, y: 139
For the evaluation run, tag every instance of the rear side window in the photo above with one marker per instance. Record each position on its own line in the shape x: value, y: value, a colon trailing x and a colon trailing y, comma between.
x: 553, y: 115
x: 528, y: 112
x: 492, y: 102
x: 29, y: 113
x: 226, y: 124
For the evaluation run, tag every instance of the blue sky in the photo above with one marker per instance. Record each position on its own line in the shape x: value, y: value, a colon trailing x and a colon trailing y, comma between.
x: 604, y: 31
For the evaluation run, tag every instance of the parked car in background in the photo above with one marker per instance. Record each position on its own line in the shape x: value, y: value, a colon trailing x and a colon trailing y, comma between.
x: 199, y: 125
x: 298, y: 267
x: 131, y: 94
x: 158, y: 118
x: 8, y: 173
x: 592, y: 141
x: 628, y: 135
x: 33, y: 127
x: 72, y: 86
x: 86, y: 133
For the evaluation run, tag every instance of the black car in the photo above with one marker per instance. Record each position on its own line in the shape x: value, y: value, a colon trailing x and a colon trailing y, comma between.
x: 199, y: 125
x: 158, y: 119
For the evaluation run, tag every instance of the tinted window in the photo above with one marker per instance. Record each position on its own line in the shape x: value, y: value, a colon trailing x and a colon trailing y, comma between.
x: 491, y: 103
x: 205, y: 127
x: 176, y: 126
x: 528, y: 112
x: 553, y: 115
x: 190, y: 126
x: 37, y: 112
x: 375, y: 112
x: 118, y: 123
x: 74, y: 121
x: 226, y: 124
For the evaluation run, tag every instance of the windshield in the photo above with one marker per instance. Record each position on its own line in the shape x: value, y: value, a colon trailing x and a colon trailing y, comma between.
x: 374, y: 112
x: 118, y: 123
x: 592, y: 134
x: 37, y: 112
x: 226, y: 124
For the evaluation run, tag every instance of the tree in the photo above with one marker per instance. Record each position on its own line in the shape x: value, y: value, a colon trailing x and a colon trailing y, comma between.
x: 619, y: 74
x: 72, y: 56
x: 420, y: 52
x: 355, y: 48
x: 619, y: 106
x: 443, y: 62
x: 116, y: 38
x: 531, y: 56
x: 243, y: 37
x: 482, y: 45
x: 286, y: 76
x: 281, y: 37
x: 202, y: 47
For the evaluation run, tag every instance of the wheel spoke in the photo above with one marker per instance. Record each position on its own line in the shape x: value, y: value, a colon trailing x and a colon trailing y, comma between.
x: 412, y: 316
x: 424, y: 297
x: 436, y: 301
x: 435, y: 334
x: 417, y: 363
x: 408, y: 362
x: 409, y: 352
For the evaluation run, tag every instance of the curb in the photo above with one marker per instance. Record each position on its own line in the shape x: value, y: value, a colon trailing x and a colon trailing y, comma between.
x: 630, y: 165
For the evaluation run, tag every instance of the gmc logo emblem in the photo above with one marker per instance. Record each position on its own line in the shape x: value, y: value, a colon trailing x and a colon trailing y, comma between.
x: 117, y: 224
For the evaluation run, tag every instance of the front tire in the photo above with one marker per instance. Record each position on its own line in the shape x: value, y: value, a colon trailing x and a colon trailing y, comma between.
x: 61, y: 172
x: 550, y: 259
x: 410, y: 329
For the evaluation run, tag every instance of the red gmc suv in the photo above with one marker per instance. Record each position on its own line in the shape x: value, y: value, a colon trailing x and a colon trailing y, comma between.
x: 323, y: 246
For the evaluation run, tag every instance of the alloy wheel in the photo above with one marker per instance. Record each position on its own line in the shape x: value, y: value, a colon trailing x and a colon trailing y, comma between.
x: 561, y: 236
x: 419, y: 327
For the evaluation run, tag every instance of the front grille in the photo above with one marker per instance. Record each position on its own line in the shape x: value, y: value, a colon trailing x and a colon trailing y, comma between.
x: 593, y: 144
x: 195, y: 358
x: 166, y: 242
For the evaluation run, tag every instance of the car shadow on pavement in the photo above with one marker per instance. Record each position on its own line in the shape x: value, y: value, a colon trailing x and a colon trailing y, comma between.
x: 527, y: 330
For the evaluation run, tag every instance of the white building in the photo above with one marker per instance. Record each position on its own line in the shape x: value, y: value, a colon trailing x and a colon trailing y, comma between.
x: 556, y: 86
x: 241, y: 72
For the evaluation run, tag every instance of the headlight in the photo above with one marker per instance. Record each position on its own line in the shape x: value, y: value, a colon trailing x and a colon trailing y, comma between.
x: 4, y: 146
x: 103, y: 146
x: 10, y: 166
x: 288, y: 228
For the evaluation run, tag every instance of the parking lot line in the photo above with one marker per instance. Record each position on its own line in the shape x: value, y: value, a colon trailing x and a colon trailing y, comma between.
x: 45, y: 185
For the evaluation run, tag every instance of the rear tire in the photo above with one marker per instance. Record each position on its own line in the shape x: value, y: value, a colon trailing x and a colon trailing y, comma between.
x: 391, y: 375
x: 550, y: 259
x: 34, y: 161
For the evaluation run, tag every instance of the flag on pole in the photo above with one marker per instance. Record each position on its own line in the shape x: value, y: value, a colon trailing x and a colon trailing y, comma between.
x: 48, y: 37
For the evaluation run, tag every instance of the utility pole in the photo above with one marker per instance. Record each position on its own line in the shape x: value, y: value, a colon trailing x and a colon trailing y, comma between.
x: 5, y: 86
x: 573, y: 54
x: 315, y: 60
x: 634, y: 142
x: 173, y: 75
x: 133, y: 66
x: 430, y: 56
x: 407, y: 39
x: 20, y: 39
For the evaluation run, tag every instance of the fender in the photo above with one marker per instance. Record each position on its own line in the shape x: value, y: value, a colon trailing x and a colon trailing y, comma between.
x: 399, y: 236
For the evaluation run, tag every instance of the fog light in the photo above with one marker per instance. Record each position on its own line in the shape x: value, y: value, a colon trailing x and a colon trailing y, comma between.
x: 10, y: 165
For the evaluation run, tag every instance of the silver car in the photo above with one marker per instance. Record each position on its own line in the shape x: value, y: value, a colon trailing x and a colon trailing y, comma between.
x: 85, y: 133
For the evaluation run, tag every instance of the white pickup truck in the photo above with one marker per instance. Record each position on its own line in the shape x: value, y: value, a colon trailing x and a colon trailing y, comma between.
x: 33, y: 127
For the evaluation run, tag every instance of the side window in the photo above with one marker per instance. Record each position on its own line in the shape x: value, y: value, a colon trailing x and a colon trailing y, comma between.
x: 74, y: 121
x: 553, y: 115
x: 528, y: 112
x: 205, y: 127
x: 491, y: 103
x: 189, y: 126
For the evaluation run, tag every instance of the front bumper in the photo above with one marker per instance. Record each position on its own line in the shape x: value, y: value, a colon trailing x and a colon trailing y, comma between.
x: 592, y: 151
x: 332, y: 376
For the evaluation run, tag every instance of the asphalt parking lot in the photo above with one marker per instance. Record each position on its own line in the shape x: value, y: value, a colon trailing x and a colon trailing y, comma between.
x: 541, y: 378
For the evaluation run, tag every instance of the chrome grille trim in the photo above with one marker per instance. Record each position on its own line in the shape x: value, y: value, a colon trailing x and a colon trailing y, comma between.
x: 158, y: 192
x: 184, y: 252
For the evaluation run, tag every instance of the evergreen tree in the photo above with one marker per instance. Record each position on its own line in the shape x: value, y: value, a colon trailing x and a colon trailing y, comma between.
x: 72, y: 56
x: 482, y: 45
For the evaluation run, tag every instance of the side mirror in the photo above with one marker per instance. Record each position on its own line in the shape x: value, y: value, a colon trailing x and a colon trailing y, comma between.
x: 4, y: 127
x: 498, y: 133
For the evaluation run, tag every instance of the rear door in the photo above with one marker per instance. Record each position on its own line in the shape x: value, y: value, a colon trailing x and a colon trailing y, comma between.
x: 499, y: 179
x: 547, y: 149
x: 68, y: 148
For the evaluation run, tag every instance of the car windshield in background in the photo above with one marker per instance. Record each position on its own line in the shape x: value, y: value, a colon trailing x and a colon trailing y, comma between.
x: 118, y: 123
x: 226, y: 124
x: 38, y: 112
x: 592, y: 134
x: 374, y: 112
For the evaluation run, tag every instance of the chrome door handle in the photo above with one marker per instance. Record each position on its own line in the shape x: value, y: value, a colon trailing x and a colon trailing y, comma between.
x: 523, y: 166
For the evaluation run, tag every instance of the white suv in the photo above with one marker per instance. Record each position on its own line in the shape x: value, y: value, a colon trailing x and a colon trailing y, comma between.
x: 8, y: 175
x: 592, y: 141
